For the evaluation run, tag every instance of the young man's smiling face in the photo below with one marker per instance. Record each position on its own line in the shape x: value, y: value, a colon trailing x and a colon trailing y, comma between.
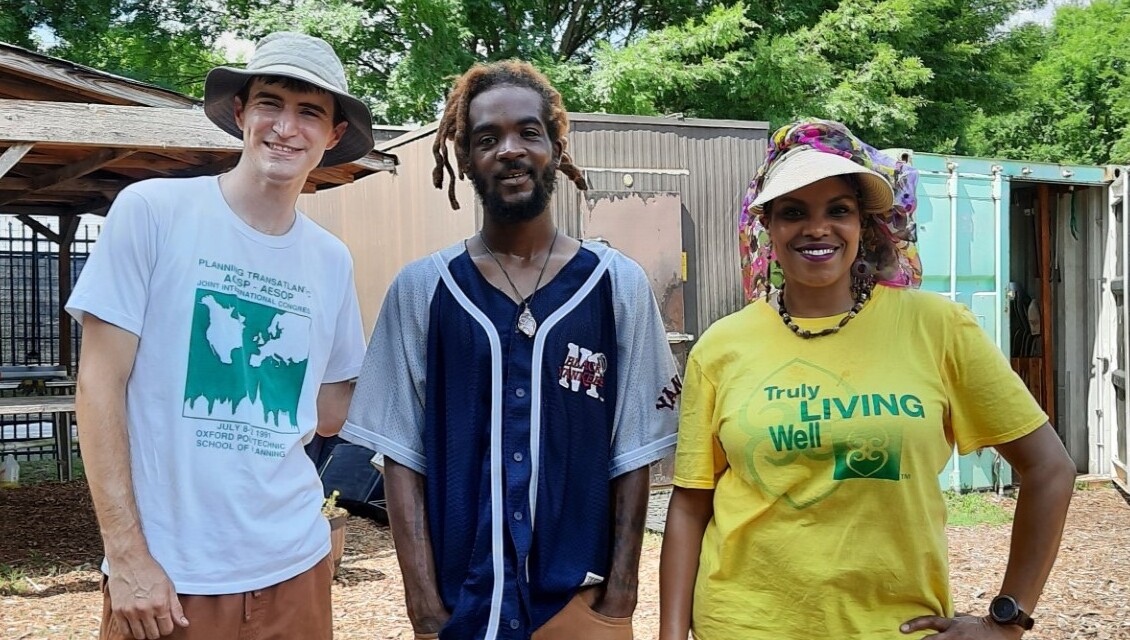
x: 286, y: 132
x: 513, y: 159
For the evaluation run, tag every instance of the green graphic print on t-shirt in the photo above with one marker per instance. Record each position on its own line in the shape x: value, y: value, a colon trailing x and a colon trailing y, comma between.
x: 247, y: 362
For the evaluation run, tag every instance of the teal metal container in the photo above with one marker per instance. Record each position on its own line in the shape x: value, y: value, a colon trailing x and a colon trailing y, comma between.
x: 963, y: 236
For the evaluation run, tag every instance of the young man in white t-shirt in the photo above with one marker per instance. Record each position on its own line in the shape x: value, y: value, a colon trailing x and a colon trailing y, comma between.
x: 220, y: 329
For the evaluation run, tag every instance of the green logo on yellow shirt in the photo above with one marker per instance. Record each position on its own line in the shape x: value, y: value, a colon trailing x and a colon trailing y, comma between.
x: 809, y: 431
x: 876, y: 455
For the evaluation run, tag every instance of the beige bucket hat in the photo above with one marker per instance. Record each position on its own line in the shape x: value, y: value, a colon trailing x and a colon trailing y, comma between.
x: 802, y: 166
x: 302, y: 57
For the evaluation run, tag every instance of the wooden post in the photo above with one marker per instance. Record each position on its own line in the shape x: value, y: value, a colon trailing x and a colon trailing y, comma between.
x: 67, y: 227
x: 1047, y: 318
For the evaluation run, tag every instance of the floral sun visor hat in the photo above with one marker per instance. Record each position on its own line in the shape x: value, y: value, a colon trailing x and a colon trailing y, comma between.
x: 760, y: 269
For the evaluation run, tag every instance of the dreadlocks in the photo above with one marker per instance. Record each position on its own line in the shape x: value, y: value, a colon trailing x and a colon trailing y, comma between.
x: 453, y: 125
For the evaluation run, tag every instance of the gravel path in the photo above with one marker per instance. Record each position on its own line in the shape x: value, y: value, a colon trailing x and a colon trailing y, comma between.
x: 48, y: 535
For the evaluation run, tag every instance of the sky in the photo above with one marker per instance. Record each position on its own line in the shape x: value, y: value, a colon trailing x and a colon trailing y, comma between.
x: 1044, y: 14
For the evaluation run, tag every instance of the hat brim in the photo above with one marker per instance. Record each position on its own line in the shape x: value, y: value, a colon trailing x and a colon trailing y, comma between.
x: 805, y: 166
x: 224, y: 83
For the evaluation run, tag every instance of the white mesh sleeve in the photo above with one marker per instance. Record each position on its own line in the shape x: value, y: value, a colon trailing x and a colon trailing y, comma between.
x: 648, y: 382
x: 387, y: 413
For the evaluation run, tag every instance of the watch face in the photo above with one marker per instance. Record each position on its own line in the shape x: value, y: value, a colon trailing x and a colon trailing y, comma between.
x: 1003, y: 609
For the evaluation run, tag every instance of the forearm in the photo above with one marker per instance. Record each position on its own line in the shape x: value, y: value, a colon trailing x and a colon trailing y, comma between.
x: 408, y: 519
x: 687, y: 516
x: 333, y: 406
x: 1041, y: 508
x: 100, y: 405
x: 630, y: 493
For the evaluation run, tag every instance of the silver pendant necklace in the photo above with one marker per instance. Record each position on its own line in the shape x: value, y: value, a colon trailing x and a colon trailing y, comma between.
x: 527, y: 324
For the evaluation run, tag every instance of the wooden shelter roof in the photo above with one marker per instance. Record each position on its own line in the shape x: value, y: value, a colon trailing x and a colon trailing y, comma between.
x: 72, y: 137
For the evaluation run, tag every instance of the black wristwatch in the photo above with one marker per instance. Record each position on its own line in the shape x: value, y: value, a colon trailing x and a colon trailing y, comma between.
x: 1005, y: 610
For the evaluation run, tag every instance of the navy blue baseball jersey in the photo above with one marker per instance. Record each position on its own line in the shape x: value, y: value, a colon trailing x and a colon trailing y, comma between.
x: 517, y: 437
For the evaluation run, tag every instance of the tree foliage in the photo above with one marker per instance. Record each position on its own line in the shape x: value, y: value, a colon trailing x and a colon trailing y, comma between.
x: 1073, y: 104
x: 166, y: 42
x: 933, y: 75
x: 403, y: 53
x: 900, y: 72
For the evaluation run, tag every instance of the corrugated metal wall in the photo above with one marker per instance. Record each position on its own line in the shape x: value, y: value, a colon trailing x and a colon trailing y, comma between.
x: 388, y: 220
x: 709, y: 163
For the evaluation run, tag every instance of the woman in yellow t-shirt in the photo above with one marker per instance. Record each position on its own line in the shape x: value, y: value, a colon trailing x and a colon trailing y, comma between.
x: 815, y: 422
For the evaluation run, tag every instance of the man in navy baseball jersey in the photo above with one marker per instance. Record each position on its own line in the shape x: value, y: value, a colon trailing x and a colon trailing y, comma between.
x: 517, y: 386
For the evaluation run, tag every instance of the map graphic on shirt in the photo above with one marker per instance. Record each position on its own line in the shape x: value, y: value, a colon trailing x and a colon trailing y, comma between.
x: 246, y: 362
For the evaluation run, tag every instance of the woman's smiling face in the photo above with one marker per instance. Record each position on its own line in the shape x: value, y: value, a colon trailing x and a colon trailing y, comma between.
x: 815, y: 232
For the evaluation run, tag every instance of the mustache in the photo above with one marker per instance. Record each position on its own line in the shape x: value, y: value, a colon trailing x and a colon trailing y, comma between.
x: 514, y: 165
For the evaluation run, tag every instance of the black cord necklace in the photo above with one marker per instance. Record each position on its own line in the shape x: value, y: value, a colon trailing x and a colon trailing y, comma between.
x: 861, y: 296
x: 527, y: 324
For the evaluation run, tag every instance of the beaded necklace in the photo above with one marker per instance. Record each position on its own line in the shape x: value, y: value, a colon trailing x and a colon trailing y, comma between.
x: 862, y: 294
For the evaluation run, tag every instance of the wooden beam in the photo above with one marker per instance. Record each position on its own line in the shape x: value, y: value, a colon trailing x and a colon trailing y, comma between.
x: 210, y: 169
x: 93, y: 162
x: 97, y: 206
x: 67, y: 228
x: 31, y: 210
x: 39, y: 228
x: 13, y: 155
x: 378, y: 161
x: 20, y: 87
x: 75, y: 184
x: 66, y: 124
x: 1047, y: 320
x: 84, y: 82
x: 57, y: 124
x: 166, y: 160
x: 57, y: 157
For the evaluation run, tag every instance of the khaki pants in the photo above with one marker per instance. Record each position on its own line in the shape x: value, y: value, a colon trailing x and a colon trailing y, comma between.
x: 577, y: 621
x: 296, y: 609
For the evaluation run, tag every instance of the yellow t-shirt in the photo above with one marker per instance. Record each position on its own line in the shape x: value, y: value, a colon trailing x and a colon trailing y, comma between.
x: 824, y: 457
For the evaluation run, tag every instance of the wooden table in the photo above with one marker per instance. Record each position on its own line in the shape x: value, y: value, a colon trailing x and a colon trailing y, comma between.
x: 50, y: 385
x: 62, y: 408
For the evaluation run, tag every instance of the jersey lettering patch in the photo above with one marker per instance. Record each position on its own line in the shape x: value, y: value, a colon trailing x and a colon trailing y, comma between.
x: 583, y: 368
x: 670, y: 393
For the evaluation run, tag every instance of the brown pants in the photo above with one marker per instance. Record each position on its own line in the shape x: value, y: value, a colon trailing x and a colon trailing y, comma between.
x: 577, y: 621
x: 296, y: 609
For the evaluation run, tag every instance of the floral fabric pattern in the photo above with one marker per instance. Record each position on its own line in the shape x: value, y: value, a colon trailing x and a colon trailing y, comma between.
x: 892, y: 251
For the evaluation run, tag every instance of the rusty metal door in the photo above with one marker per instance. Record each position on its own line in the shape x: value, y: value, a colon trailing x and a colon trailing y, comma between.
x: 648, y: 228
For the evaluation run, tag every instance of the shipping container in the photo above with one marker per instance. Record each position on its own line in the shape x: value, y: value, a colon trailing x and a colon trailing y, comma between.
x: 1037, y: 252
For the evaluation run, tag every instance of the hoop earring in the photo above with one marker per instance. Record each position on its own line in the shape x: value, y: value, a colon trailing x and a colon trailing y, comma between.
x: 862, y: 269
x: 862, y: 277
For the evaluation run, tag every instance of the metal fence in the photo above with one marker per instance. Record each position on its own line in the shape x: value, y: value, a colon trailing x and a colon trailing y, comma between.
x: 29, y: 292
x: 29, y: 319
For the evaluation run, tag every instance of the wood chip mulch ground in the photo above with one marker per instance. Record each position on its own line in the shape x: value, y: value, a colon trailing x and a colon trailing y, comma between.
x: 49, y: 583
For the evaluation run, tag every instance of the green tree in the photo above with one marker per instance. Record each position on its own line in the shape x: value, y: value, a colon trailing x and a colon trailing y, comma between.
x: 403, y: 53
x: 654, y: 74
x: 900, y: 72
x: 165, y: 42
x: 1073, y: 105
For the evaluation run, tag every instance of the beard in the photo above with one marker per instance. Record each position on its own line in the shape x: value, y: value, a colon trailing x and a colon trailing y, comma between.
x: 512, y: 212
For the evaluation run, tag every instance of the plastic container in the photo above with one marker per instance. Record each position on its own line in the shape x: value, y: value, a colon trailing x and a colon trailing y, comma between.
x: 9, y: 472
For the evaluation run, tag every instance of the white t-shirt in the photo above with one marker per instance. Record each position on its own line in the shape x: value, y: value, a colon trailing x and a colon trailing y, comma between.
x: 238, y: 329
